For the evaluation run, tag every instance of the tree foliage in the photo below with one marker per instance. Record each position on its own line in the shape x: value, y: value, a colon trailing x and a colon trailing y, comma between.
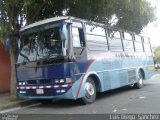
x: 157, y: 54
x: 131, y: 14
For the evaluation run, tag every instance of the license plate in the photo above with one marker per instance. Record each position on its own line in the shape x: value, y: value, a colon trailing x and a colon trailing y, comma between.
x: 40, y: 91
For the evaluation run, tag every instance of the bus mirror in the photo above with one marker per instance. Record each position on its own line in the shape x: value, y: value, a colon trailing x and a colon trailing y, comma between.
x: 7, y: 43
x: 64, y: 51
x: 64, y: 32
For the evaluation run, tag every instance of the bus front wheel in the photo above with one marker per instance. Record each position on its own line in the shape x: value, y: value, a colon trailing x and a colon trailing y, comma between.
x: 90, y: 92
x: 139, y: 84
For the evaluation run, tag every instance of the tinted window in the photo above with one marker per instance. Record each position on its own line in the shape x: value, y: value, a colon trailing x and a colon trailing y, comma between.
x: 115, y: 43
x: 92, y: 29
x: 98, y: 43
x: 145, y: 40
x: 128, y: 45
x: 78, y: 39
x: 138, y: 38
x: 138, y: 43
x: 146, y: 45
x: 127, y: 36
x: 77, y: 36
x: 147, y: 48
x: 96, y: 38
x: 113, y: 34
x: 128, y: 42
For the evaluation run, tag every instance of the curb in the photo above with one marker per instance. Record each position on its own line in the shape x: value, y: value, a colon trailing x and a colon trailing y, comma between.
x: 19, y: 104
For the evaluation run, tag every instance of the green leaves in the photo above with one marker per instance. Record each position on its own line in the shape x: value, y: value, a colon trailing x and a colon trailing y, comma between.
x: 157, y: 54
x: 132, y: 14
x: 137, y: 15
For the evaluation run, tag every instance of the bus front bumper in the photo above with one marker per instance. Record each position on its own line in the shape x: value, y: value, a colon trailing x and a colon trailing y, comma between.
x: 67, y: 91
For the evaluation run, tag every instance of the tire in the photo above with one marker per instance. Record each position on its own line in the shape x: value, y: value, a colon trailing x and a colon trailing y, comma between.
x: 131, y: 86
x: 90, y: 92
x: 139, y: 84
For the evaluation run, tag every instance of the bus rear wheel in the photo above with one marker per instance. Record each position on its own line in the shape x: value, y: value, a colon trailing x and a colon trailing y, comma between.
x: 90, y: 92
x: 139, y: 84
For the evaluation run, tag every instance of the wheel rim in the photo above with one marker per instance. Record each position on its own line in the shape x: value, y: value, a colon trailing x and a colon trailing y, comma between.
x: 89, y: 88
x: 140, y: 79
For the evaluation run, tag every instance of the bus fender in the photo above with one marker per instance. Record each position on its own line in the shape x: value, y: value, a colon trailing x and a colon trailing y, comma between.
x: 81, y: 92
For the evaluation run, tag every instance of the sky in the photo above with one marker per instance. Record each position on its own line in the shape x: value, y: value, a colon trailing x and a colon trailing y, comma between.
x: 153, y: 29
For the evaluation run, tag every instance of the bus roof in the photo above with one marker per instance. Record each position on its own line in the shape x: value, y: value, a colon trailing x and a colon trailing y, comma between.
x: 44, y: 22
x: 58, y: 18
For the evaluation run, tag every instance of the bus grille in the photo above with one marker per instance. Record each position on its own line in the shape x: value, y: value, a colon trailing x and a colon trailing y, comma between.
x: 41, y: 81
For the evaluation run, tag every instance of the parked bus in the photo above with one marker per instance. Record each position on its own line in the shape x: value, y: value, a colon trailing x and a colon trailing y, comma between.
x: 71, y: 58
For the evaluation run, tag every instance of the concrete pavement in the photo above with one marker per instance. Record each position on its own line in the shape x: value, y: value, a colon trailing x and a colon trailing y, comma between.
x: 7, y: 102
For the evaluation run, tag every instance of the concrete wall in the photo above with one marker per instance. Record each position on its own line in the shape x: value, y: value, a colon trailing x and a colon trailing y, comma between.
x: 5, y: 70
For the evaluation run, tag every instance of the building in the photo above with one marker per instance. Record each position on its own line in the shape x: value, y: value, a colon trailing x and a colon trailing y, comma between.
x: 5, y: 70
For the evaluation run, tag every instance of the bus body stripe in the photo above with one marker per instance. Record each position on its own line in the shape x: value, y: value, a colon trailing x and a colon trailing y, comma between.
x: 90, y: 62
x: 44, y: 87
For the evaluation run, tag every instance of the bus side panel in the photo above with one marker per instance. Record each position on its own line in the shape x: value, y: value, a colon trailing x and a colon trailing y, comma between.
x: 149, y: 67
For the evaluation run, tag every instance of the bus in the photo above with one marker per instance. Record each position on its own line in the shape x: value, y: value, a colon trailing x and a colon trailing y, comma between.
x: 71, y: 58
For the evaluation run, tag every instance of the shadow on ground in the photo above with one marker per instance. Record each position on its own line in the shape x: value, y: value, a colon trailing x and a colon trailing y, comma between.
x: 100, y: 96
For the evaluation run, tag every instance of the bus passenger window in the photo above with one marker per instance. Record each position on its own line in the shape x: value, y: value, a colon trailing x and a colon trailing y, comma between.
x: 128, y: 42
x: 138, y: 43
x: 146, y: 44
x: 78, y: 37
x: 114, y: 38
x: 78, y: 41
x: 96, y: 38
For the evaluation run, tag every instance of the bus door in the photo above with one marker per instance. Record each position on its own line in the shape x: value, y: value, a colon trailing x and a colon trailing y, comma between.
x: 79, y: 54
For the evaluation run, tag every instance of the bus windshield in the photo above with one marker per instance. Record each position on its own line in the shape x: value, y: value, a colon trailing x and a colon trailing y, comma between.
x: 43, y: 42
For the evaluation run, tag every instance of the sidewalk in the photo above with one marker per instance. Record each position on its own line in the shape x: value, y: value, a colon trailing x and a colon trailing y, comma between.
x: 7, y: 102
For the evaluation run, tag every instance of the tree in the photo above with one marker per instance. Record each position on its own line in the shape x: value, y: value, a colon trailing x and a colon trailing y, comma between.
x: 12, y: 16
x: 10, y: 12
x: 157, y: 54
x: 131, y: 15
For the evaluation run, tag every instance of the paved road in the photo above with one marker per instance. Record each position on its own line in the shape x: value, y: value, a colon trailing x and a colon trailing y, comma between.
x: 123, y: 100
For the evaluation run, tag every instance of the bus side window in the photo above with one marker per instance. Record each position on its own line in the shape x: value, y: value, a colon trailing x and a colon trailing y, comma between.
x: 78, y: 37
x: 96, y: 38
x: 115, y: 43
x: 128, y: 42
x: 138, y: 43
x: 78, y: 40
x: 146, y: 44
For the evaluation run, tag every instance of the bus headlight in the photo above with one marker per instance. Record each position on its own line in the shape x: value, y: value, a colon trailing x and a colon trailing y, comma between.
x: 21, y: 83
x: 56, y: 81
x: 67, y: 80
x: 59, y: 80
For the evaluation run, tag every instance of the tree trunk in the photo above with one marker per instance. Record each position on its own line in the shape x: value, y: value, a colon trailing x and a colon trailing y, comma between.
x: 13, y: 88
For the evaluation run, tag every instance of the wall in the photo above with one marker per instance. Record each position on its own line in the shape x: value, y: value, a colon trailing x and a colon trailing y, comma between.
x: 5, y: 70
